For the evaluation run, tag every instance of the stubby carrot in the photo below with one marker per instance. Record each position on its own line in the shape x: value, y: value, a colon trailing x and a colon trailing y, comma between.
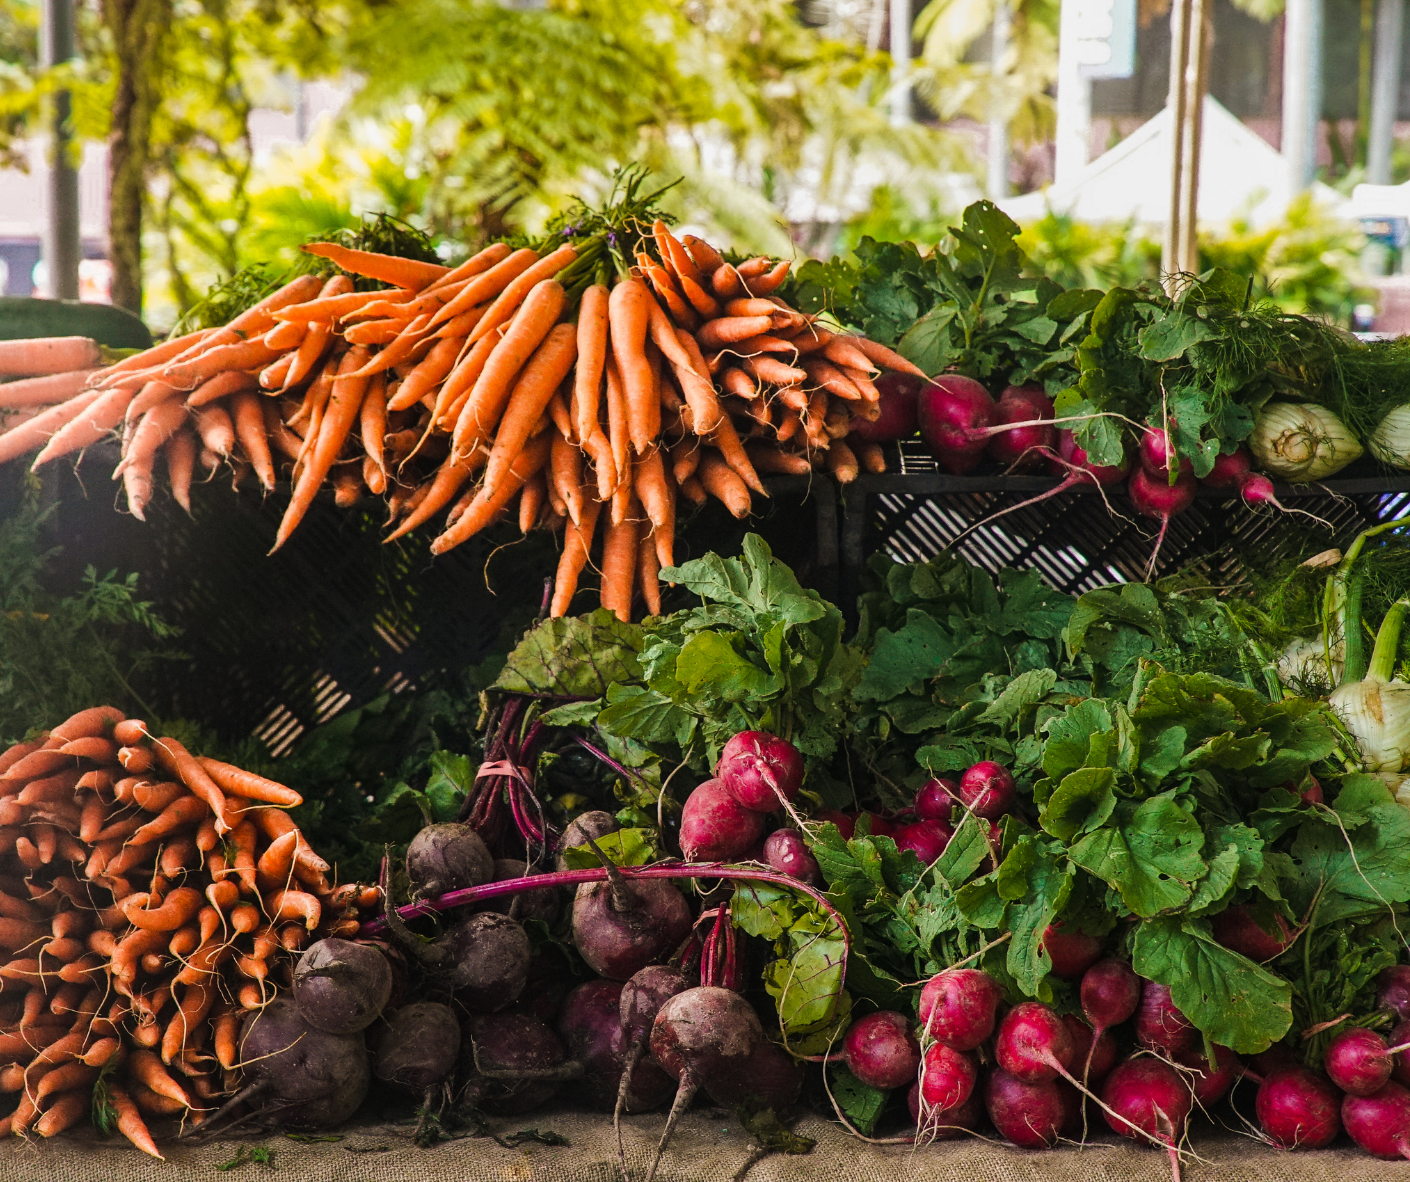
x: 180, y: 453
x: 722, y: 482
x: 658, y: 499
x: 565, y: 468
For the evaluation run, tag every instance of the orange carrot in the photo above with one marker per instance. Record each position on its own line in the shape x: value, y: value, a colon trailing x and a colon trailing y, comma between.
x: 830, y: 378
x: 765, y: 283
x: 528, y: 400
x: 408, y: 273
x: 173, y: 756
x: 484, y: 508
x: 226, y: 1024
x: 722, y: 482
x: 376, y: 332
x: 88, y: 427
x: 329, y: 307
x: 657, y: 498
x: 489, y: 283
x: 191, y: 1011
x: 699, y: 393
x: 130, y: 1123
x: 455, y: 390
x: 619, y: 564
x: 531, y: 324
x: 628, y: 316
x: 237, y: 781
x: 518, y: 289
x: 216, y: 430
x: 665, y: 287
x: 597, y: 446
x: 404, y: 348
x: 577, y: 543
x: 427, y: 374
x: 648, y: 568
x: 285, y: 905
x: 727, y: 281
x: 727, y: 440
x: 884, y: 357
x: 706, y: 258
x: 766, y: 458
x: 592, y: 357
x: 618, y: 431
x: 249, y: 428
x: 285, y: 335
x: 727, y: 330
x: 185, y: 810
x: 531, y: 499
x: 842, y: 462
x: 180, y: 454
x: 187, y: 375
x: 40, y: 356
x: 145, y: 1068
x: 565, y: 466
x: 449, y: 478
x: 35, y: 432
x: 156, y: 427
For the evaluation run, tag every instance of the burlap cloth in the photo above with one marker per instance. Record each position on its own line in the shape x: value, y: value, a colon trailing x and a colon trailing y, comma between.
x: 707, y: 1147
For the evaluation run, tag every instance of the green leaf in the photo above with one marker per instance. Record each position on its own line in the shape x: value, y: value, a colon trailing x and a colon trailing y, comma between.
x: 862, y: 1103
x: 625, y: 847
x: 1216, y: 885
x: 1045, y: 884
x: 1070, y: 737
x: 1083, y: 801
x: 1151, y: 855
x: 927, y: 342
x: 573, y: 714
x: 965, y: 852
x: 452, y: 779
x: 635, y: 712
x: 1360, y: 870
x: 1169, y: 337
x: 577, y: 656
x: 1234, y: 1001
x: 710, y: 661
x: 772, y: 1134
x: 806, y: 979
x: 1022, y: 693
x: 900, y: 659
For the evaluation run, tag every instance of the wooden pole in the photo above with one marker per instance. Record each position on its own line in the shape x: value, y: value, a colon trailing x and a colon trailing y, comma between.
x: 998, y: 170
x: 1180, y: 13
x: 60, y: 248
x: 1196, y: 84
x: 1385, y: 89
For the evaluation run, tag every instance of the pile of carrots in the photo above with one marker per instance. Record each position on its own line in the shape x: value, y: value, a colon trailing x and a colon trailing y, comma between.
x: 149, y: 898
x: 456, y: 391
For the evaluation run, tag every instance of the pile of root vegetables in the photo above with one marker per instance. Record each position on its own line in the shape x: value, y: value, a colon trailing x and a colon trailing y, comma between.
x: 587, y: 398
x: 150, y: 900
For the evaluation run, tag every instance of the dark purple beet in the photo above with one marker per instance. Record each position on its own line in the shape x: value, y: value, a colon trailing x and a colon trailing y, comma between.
x: 416, y: 1047
x: 590, y: 1026
x: 341, y: 986
x: 511, y: 1043
x: 488, y: 963
x: 309, y: 1078
x: 594, y: 824
x: 618, y: 941
x: 447, y: 857
x: 770, y: 1078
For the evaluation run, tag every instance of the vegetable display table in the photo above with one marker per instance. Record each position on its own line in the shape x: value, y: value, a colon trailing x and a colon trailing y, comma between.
x: 709, y: 1146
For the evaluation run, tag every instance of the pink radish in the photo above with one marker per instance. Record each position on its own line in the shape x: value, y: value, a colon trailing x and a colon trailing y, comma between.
x: 947, y: 1077
x: 1031, y: 1115
x: 1393, y: 991
x: 987, y: 790
x: 936, y: 798
x: 1400, y: 1037
x: 953, y: 413
x: 1071, y: 461
x: 1098, y: 1053
x: 926, y: 839
x: 787, y: 852
x: 1110, y: 993
x: 715, y: 827
x: 1298, y: 1108
x: 1229, y: 469
x: 1158, y: 454
x: 1358, y: 1061
x: 881, y: 1050
x: 1150, y: 1095
x: 1160, y: 1026
x: 1256, y: 490
x: 943, y: 1124
x: 846, y: 824
x: 1153, y: 497
x: 898, y: 418
x: 1023, y: 446
x: 1033, y: 1043
x: 1380, y: 1124
x: 1072, y: 952
x: 1237, y: 930
x: 760, y: 770
x: 1211, y: 1086
x: 958, y: 1007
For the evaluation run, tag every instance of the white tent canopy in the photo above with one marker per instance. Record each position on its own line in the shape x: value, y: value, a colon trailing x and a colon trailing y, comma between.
x: 1240, y: 175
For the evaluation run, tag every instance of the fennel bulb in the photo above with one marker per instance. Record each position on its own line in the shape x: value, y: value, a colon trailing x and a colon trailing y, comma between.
x: 1390, y: 441
x: 1305, y: 659
x: 1301, y: 442
x: 1376, y: 709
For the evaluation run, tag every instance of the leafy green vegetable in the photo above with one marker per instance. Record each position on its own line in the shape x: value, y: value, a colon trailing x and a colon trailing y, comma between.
x: 805, y: 980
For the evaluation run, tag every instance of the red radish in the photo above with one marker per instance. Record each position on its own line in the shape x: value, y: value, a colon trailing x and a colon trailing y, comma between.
x: 958, y: 1007
x: 1229, y: 469
x: 787, y: 852
x: 1031, y: 1115
x: 1237, y: 930
x: 1150, y: 1095
x: 987, y: 789
x: 846, y: 825
x: 953, y: 414
x: 760, y: 770
x: 1071, y: 462
x: 1023, y: 446
x: 1257, y: 489
x: 1033, y: 1043
x: 943, y: 1124
x: 1393, y: 991
x: 936, y: 798
x: 1400, y: 1037
x: 897, y: 420
x: 1160, y: 1026
x: 1211, y: 1086
x: 715, y: 827
x: 926, y: 839
x: 1072, y: 952
x: 1158, y: 454
x: 1110, y: 993
x: 881, y: 1050
x: 1153, y: 497
x: 1273, y: 1059
x: 1310, y: 790
x: 1099, y: 1054
x: 1380, y: 1124
x: 879, y: 826
x: 1358, y: 1061
x: 1298, y: 1108
x: 947, y: 1077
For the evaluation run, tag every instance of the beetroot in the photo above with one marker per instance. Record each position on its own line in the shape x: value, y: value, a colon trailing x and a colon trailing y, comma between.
x: 943, y: 1124
x: 881, y: 1049
x: 926, y: 839
x: 1358, y: 1061
x: 513, y: 1063
x: 947, y: 1078
x: 1298, y: 1108
x: 1160, y: 1026
x: 1211, y: 1086
x: 620, y: 927
x: 1020, y: 448
x: 958, y: 1007
x: 898, y: 418
x: 953, y: 414
x: 1237, y: 930
x: 1072, y: 952
x: 416, y: 1047
x: 715, y: 827
x: 593, y: 824
x: 1031, y: 1115
x: 1380, y: 1124
x: 770, y: 1078
x: 487, y: 960
x: 541, y: 904
x: 1033, y: 1043
x: 447, y: 857
x: 1097, y: 1055
x: 1229, y: 469
x: 341, y: 986
x: 1393, y: 991
x: 590, y: 1026
x: 936, y: 799
x: 786, y: 851
x: 1150, y: 1095
x: 987, y: 790
x: 760, y: 770
x: 640, y: 1001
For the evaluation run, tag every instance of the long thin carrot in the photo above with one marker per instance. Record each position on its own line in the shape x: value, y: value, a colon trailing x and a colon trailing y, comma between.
x: 628, y: 317
x: 191, y: 1011
x: 726, y: 438
x: 343, y: 406
x: 502, y: 310
x: 156, y: 428
x: 387, y: 268
x: 577, y: 544
x: 619, y: 563
x: 488, y: 284
x: 157, y: 355
x: 376, y: 332
x: 699, y: 393
x: 130, y: 1123
x: 402, y: 349
x: 530, y: 397
x: 332, y: 305
x: 449, y: 478
x: 35, y: 432
x: 45, y: 391
x: 565, y: 468
x: 485, y: 507
x: 148, y: 1070
x: 187, y: 375
x: 531, y: 324
x: 454, y: 391
x: 238, y: 782
x: 648, y: 568
x: 249, y: 429
x: 173, y: 756
x: 180, y: 452
x: 658, y: 499
x: 40, y: 356
x: 428, y: 372
x: 599, y: 448
x: 592, y: 358
x: 665, y: 287
x: 88, y: 427
x: 476, y: 264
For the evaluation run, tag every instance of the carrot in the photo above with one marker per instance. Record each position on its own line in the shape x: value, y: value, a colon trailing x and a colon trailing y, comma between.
x: 870, y: 455
x: 549, y: 365
x: 762, y: 284
x: 40, y: 356
x: 654, y: 491
x: 628, y: 317
x: 243, y: 839
x: 156, y: 427
x: 187, y: 375
x: 518, y: 289
x: 329, y: 307
x: 62, y: 1079
x: 618, y: 431
x: 285, y: 905
x: 830, y: 378
x: 577, y: 543
x: 16, y: 753
x: 706, y: 258
x: 249, y: 428
x: 204, y: 964
x: 408, y: 273
x: 487, y: 284
x: 175, y: 758
x: 619, y: 563
x: 343, y: 406
x: 565, y: 466
x: 449, y: 478
x: 863, y: 383
x: 884, y: 357
x: 648, y: 567
x: 284, y: 335
x: 486, y: 506
x: 146, y: 1069
x: 35, y: 432
x: 727, y: 282
x: 427, y: 374
x: 665, y: 287
x: 130, y: 1123
x: 404, y: 348
x: 88, y: 427
x: 531, y: 324
x: 455, y: 390
x: 56, y: 787
x: 728, y: 330
x: 191, y: 1011
x: 180, y: 454
x: 766, y: 458
x: 130, y: 731
x: 185, y: 810
x: 604, y: 467
x: 254, y: 321
x: 216, y: 430
x: 17, y: 934
x: 723, y: 483
x: 727, y: 440
x: 592, y: 358
x: 237, y: 781
x: 531, y: 500
x: 376, y: 332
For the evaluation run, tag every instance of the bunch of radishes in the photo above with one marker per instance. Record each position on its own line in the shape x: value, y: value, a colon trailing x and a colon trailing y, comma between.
x: 1029, y: 1068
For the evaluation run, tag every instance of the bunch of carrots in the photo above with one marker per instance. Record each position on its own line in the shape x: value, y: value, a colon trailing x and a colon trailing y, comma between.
x: 149, y: 899
x: 596, y: 404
